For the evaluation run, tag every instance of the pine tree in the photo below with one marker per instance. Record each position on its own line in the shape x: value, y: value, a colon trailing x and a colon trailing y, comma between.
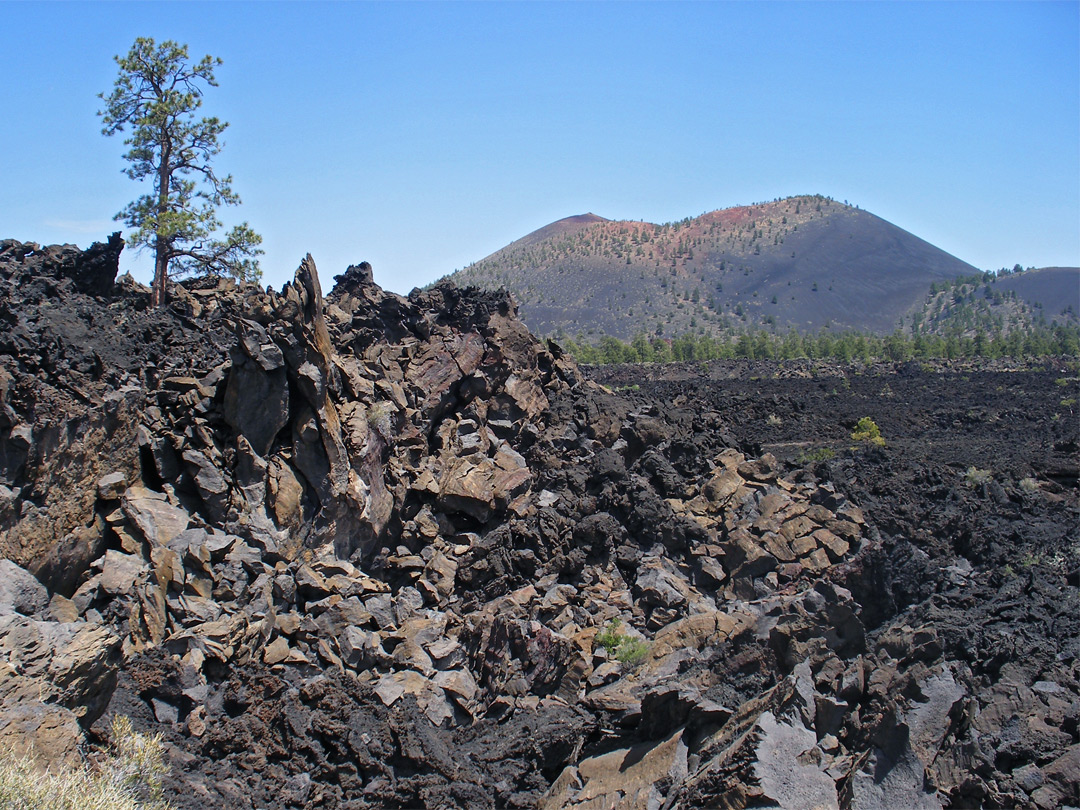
x: 156, y: 94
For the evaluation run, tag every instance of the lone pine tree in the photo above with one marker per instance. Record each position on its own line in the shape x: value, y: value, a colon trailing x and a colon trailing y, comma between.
x: 156, y: 94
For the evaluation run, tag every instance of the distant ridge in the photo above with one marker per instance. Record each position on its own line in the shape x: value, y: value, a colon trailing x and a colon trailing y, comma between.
x: 804, y: 263
x: 561, y: 227
x: 1053, y: 290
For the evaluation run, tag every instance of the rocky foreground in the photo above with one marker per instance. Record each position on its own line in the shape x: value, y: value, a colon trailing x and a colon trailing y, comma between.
x: 365, y: 551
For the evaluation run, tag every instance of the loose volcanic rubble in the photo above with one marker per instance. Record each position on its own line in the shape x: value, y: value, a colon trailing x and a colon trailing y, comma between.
x: 363, y: 550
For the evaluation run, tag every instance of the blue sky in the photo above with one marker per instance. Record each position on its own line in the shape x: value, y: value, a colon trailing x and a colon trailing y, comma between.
x: 423, y: 136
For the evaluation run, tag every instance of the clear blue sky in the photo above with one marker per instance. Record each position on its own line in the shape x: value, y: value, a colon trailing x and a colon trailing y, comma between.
x: 423, y: 136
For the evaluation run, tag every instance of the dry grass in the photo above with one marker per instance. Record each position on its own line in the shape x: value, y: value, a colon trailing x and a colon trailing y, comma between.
x: 128, y: 779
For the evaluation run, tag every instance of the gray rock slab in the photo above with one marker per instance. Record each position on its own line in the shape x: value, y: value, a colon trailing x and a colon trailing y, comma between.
x: 787, y: 776
x: 20, y: 592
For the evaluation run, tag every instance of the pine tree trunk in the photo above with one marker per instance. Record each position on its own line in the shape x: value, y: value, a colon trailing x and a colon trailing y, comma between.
x: 161, y: 256
x: 161, y: 275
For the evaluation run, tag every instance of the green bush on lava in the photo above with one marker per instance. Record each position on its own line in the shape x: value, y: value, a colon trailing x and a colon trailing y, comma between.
x: 626, y: 649
x: 867, y: 431
x: 632, y: 651
x: 816, y: 455
x: 1029, y: 485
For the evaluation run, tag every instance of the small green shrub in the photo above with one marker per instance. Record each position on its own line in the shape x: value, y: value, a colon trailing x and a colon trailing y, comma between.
x: 379, y: 418
x: 627, y: 650
x: 772, y: 420
x: 609, y: 637
x: 632, y: 651
x: 976, y: 477
x: 867, y: 431
x: 1029, y: 485
x: 816, y: 455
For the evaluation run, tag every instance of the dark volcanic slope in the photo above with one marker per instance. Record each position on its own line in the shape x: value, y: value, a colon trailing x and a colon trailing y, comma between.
x: 559, y: 229
x: 802, y: 262
x: 1054, y: 290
